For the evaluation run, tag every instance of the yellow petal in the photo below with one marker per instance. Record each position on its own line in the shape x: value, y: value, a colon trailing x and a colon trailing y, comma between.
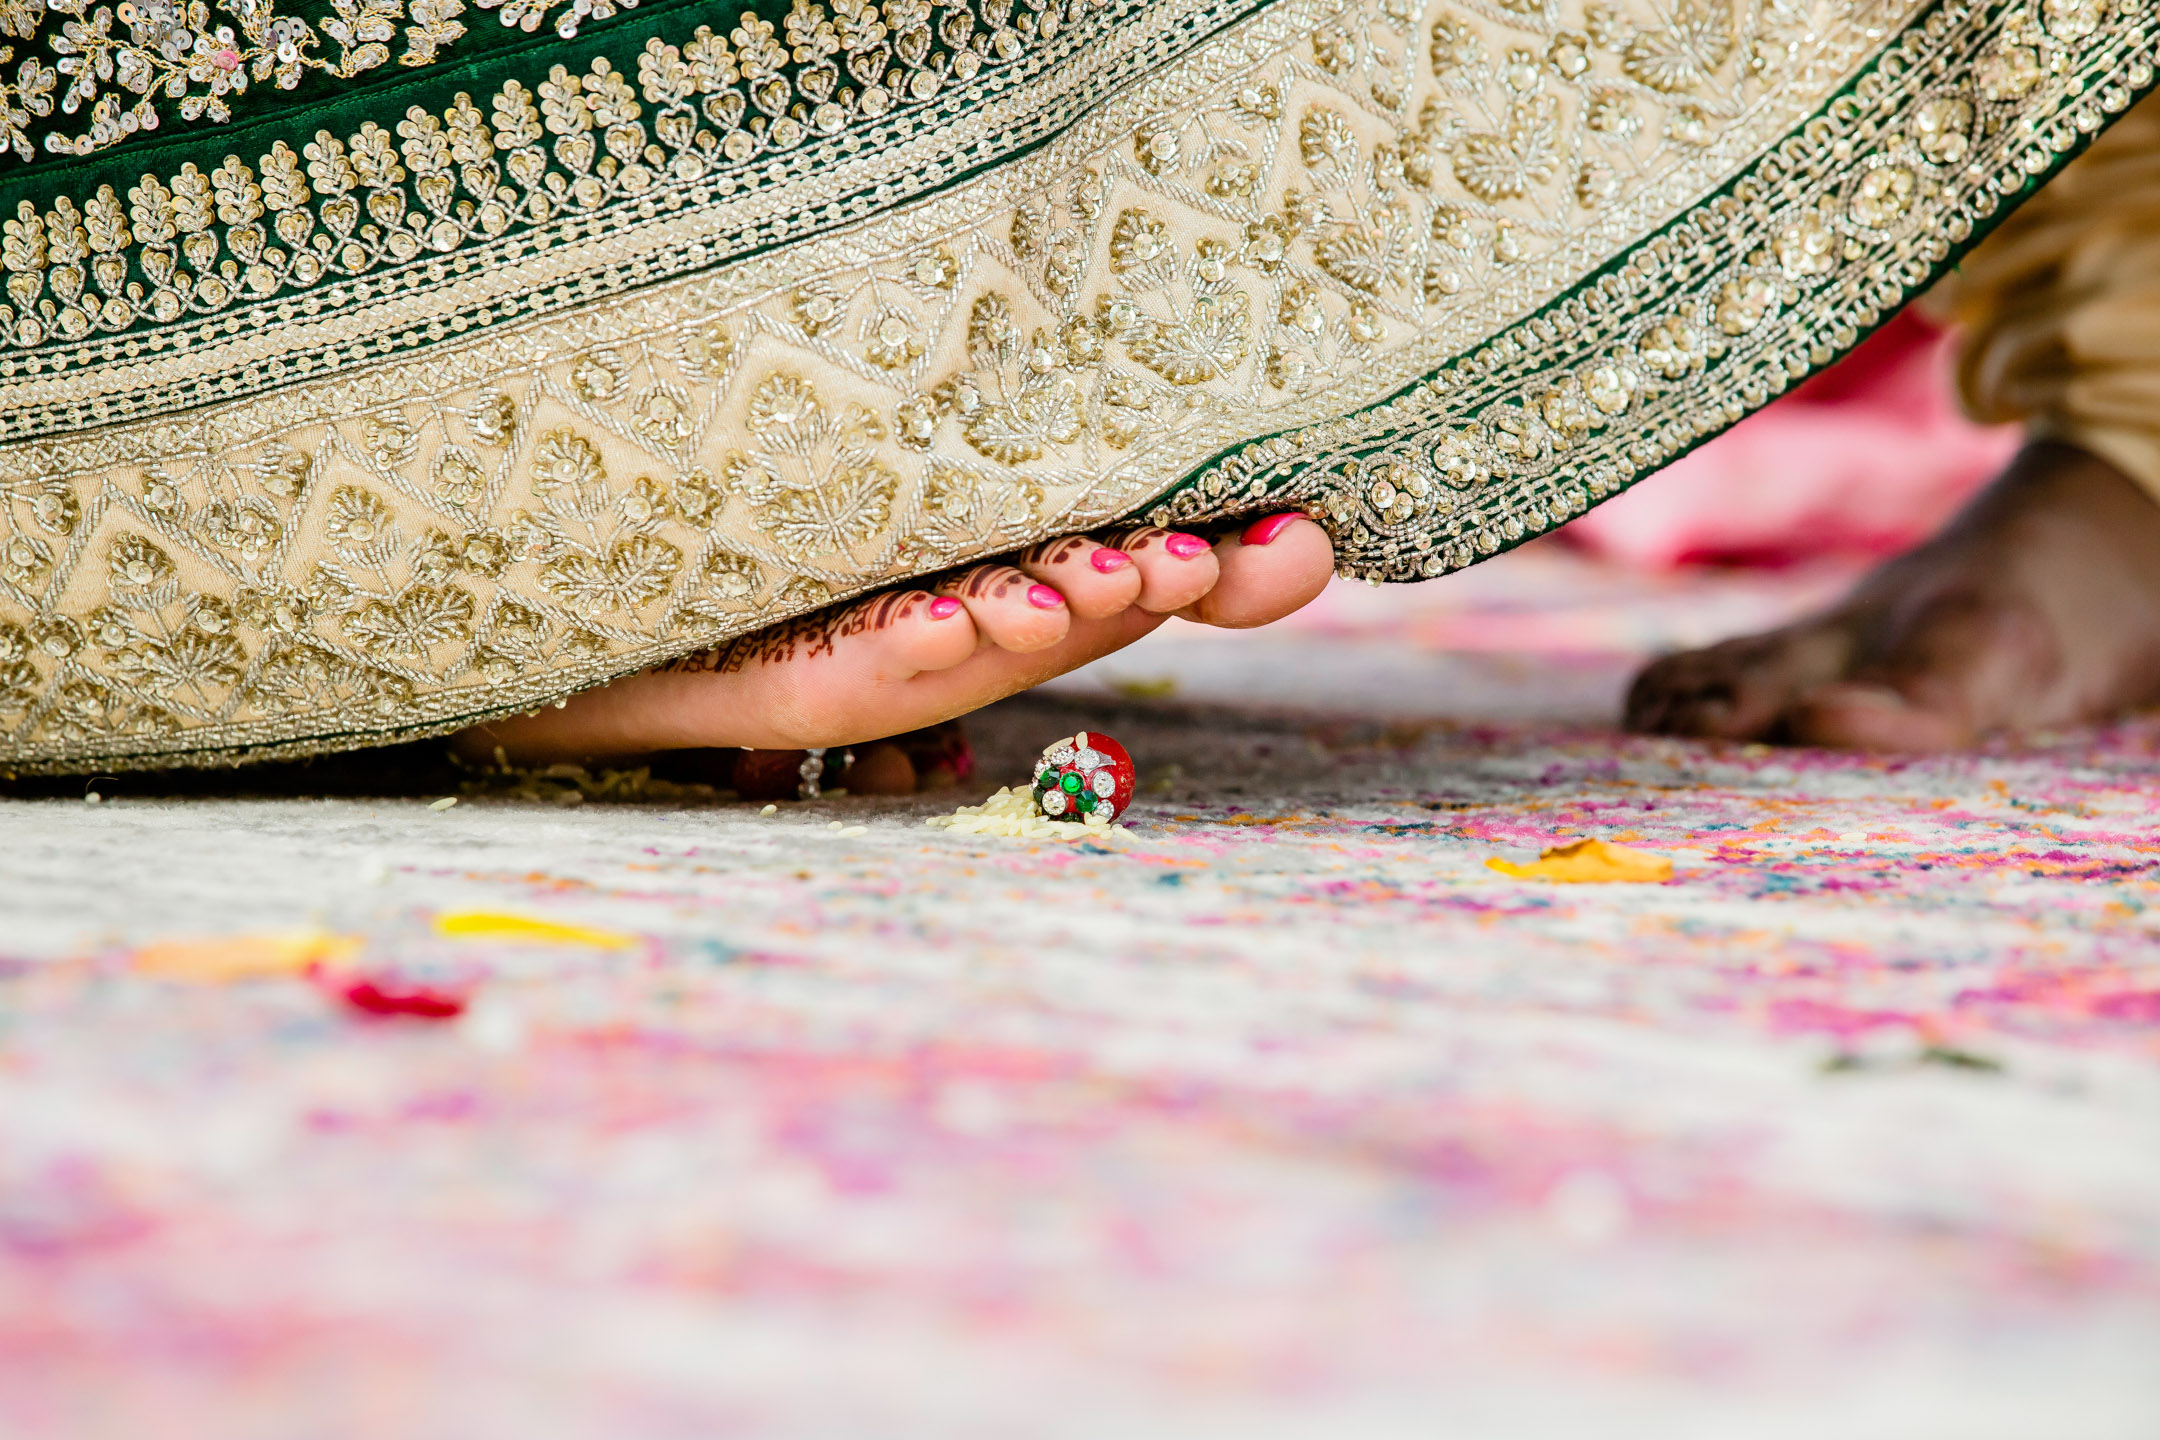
x: 224, y: 958
x: 1590, y: 862
x: 523, y: 930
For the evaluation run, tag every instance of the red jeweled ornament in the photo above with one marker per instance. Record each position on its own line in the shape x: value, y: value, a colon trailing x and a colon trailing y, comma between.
x: 1086, y: 775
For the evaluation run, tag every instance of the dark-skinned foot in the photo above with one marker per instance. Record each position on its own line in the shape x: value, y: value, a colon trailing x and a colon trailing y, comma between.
x: 2038, y: 607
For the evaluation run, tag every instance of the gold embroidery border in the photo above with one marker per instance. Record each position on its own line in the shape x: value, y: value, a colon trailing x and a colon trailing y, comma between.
x: 582, y: 257
x: 1351, y: 470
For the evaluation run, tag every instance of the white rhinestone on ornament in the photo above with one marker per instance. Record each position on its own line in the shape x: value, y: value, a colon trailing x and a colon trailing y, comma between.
x: 1059, y: 755
x: 1089, y: 760
x: 1053, y: 802
x: 1104, y: 784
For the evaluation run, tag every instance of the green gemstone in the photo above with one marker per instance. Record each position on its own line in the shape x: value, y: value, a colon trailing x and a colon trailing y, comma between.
x: 1047, y: 780
x: 1070, y: 784
x: 1087, y: 801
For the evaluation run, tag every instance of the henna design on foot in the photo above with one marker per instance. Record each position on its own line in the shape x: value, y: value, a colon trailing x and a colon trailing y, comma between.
x: 1136, y: 539
x: 984, y: 582
x: 1054, y: 552
x: 805, y: 636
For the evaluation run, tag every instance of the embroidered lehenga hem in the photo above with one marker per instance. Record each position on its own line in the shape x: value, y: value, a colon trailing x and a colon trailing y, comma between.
x: 620, y: 343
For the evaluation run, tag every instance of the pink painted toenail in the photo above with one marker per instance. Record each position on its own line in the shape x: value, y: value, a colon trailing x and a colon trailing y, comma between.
x: 1261, y: 532
x: 944, y: 608
x: 1109, y: 561
x: 1042, y: 597
x: 1184, y: 546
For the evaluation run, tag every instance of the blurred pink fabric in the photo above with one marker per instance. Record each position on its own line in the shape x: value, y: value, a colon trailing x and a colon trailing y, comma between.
x: 1868, y: 458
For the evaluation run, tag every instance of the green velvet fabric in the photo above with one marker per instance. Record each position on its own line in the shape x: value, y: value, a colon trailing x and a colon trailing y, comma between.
x: 476, y: 62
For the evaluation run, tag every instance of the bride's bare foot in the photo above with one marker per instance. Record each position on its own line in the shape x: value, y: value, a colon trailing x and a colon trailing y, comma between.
x: 2039, y: 606
x: 908, y: 659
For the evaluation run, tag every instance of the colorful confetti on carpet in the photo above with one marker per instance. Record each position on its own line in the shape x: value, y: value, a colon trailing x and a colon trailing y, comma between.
x: 1294, y: 1118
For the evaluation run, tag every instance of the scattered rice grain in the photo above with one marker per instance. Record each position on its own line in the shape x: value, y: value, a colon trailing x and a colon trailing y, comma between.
x: 1012, y: 814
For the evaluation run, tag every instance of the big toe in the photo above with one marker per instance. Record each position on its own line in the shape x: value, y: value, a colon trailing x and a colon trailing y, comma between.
x: 1738, y: 690
x: 1690, y: 694
x: 1271, y: 568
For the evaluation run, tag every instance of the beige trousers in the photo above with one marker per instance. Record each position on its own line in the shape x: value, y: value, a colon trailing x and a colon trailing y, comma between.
x: 2061, y: 306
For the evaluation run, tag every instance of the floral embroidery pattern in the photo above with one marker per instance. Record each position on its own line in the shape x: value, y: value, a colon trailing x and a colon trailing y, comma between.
x: 340, y: 207
x: 113, y: 64
x: 1568, y: 406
